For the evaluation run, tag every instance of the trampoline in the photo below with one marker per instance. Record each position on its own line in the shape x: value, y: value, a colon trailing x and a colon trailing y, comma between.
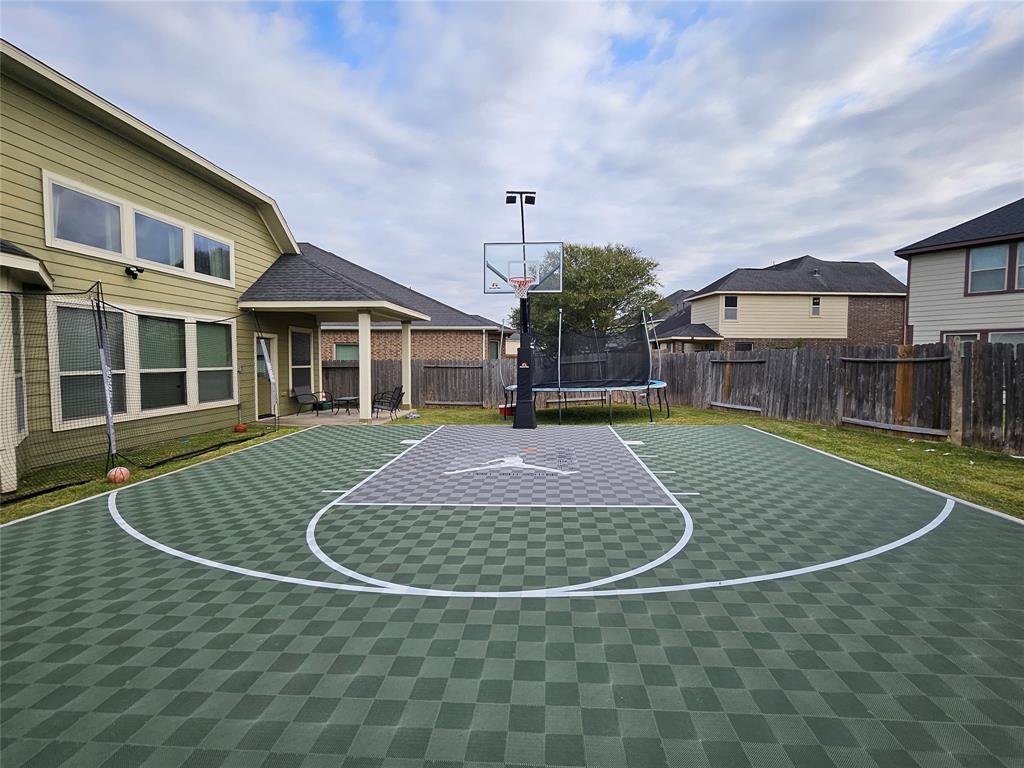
x: 594, y: 365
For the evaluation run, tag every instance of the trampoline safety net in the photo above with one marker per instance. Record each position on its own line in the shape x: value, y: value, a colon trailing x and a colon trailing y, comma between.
x: 592, y: 360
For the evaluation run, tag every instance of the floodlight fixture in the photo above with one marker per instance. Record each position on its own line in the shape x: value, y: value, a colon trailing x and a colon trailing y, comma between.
x: 510, y: 199
x: 529, y: 199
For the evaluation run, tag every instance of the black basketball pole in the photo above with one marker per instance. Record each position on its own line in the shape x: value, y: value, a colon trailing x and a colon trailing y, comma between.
x: 525, y: 416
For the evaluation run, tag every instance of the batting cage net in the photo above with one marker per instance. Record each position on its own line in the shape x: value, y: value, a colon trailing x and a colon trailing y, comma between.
x: 86, y: 385
x: 592, y: 359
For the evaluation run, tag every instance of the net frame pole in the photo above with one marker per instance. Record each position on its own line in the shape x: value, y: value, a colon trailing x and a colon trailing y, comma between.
x: 103, y: 348
x: 650, y: 364
x: 559, y: 365
x: 275, y: 397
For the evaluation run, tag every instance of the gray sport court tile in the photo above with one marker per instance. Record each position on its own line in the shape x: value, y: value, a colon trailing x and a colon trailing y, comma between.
x: 568, y: 466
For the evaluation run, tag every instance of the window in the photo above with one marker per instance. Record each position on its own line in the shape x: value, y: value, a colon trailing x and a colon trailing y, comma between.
x: 1019, y: 285
x: 987, y: 268
x: 162, y: 362
x: 18, y: 341
x: 744, y: 346
x: 301, y: 370
x: 215, y: 362
x: 965, y: 339
x: 212, y: 257
x: 346, y: 351
x: 1006, y: 337
x: 159, y: 242
x: 731, y: 307
x: 80, y: 373
x: 815, y: 306
x: 85, y: 219
x: 493, y: 349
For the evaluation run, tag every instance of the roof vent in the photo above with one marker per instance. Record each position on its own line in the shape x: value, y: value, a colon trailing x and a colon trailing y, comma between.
x: 816, y: 272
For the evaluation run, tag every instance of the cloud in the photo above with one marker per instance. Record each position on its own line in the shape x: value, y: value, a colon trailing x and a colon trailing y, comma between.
x: 710, y: 137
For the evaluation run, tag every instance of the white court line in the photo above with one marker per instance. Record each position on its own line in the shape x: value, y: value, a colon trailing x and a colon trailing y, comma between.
x: 666, y: 471
x: 157, y: 477
x: 542, y: 592
x: 409, y: 442
x: 499, y: 505
x: 685, y: 493
x: 957, y: 499
x: 387, y: 464
x: 332, y: 491
x: 631, y: 442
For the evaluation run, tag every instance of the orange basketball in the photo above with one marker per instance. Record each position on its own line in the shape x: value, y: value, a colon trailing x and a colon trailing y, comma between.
x: 118, y: 475
x: 241, y: 427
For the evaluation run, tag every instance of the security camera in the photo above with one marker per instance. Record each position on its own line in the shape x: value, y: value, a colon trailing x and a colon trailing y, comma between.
x: 134, y: 272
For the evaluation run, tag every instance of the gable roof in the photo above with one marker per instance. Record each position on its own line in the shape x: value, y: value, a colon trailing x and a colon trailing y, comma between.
x: 677, y: 325
x: 678, y: 298
x: 807, y: 274
x: 440, y: 314
x: 1001, y: 224
x: 25, y: 68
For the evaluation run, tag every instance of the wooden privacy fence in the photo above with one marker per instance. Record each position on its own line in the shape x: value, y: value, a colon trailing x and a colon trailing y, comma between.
x: 928, y: 389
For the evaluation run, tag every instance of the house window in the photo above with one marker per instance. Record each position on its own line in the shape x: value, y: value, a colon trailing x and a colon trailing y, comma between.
x: 162, y: 362
x: 301, y: 369
x: 159, y: 242
x: 493, y: 348
x: 731, y: 307
x: 965, y: 339
x: 1019, y: 285
x: 18, y: 341
x: 987, y: 268
x: 212, y: 257
x: 215, y: 362
x: 346, y: 352
x: 744, y: 346
x: 815, y: 306
x: 81, y: 376
x: 1006, y: 337
x: 85, y: 219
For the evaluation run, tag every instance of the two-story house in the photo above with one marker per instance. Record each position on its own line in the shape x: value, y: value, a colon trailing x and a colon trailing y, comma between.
x: 968, y: 281
x: 803, y: 301
x: 205, y: 291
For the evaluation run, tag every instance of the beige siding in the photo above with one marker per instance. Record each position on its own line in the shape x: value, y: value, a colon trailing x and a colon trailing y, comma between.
x: 937, y: 301
x: 40, y: 134
x: 782, y: 316
x: 706, y: 311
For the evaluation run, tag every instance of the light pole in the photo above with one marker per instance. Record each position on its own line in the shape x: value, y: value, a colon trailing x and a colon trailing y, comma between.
x: 525, y: 416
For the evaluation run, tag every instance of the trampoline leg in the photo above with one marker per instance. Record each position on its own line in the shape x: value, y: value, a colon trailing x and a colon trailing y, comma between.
x: 609, y: 408
x: 650, y: 411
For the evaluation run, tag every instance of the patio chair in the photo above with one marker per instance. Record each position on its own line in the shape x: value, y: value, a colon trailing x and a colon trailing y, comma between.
x: 387, y: 402
x: 305, y: 395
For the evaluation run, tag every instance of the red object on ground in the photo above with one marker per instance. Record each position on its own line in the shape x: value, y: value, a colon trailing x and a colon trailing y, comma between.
x: 118, y: 475
x: 241, y: 427
x: 505, y: 410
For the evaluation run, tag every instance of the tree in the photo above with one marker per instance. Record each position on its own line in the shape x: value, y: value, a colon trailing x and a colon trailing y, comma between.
x: 603, y: 286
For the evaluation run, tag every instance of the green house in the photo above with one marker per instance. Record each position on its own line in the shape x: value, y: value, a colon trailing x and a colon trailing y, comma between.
x: 193, y: 265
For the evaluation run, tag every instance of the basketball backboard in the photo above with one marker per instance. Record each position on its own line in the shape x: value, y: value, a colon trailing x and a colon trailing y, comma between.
x: 541, y: 261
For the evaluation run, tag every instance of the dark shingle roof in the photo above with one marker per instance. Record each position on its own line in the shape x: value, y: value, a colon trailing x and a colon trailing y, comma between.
x: 1002, y: 223
x: 677, y: 325
x: 6, y: 246
x: 810, y: 275
x: 678, y: 298
x: 293, y: 277
x: 440, y: 314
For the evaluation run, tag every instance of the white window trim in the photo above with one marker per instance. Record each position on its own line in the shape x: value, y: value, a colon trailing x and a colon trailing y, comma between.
x: 971, y: 272
x: 19, y: 351
x: 312, y: 384
x: 131, y: 371
x: 127, y: 254
x: 725, y: 309
x: 813, y: 307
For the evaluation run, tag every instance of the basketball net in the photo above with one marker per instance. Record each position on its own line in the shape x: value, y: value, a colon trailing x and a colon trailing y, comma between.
x: 521, y: 285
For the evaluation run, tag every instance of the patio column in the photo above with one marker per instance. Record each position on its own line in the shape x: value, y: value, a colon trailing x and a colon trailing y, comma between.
x: 407, y: 364
x: 365, y: 383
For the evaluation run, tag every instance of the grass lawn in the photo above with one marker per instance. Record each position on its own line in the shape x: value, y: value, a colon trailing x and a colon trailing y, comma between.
x: 985, y: 477
x: 196, y: 447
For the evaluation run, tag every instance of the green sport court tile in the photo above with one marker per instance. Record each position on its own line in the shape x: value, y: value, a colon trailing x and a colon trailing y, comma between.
x: 115, y: 653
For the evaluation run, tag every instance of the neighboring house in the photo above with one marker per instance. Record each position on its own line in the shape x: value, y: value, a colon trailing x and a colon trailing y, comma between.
x: 968, y: 281
x: 803, y: 301
x: 677, y: 333
x: 90, y: 193
x: 449, y: 334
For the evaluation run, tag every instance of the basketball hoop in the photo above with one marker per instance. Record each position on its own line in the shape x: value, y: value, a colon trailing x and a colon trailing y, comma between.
x: 521, y: 285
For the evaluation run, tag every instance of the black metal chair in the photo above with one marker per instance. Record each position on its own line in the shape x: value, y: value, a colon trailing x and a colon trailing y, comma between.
x: 306, y: 395
x: 388, y: 402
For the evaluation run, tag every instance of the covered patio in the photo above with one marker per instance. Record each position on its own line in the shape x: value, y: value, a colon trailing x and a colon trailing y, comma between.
x: 296, y: 284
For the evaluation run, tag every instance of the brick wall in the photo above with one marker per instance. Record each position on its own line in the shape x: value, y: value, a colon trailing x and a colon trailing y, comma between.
x: 426, y: 344
x: 876, y: 319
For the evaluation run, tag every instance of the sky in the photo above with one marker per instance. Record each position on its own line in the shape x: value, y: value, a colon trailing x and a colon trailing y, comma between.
x: 709, y: 136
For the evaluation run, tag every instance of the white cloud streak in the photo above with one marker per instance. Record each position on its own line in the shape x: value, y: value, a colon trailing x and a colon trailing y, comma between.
x: 734, y: 135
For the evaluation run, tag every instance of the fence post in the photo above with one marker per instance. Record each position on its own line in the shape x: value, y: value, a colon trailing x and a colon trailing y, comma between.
x: 956, y: 392
x: 904, y: 386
